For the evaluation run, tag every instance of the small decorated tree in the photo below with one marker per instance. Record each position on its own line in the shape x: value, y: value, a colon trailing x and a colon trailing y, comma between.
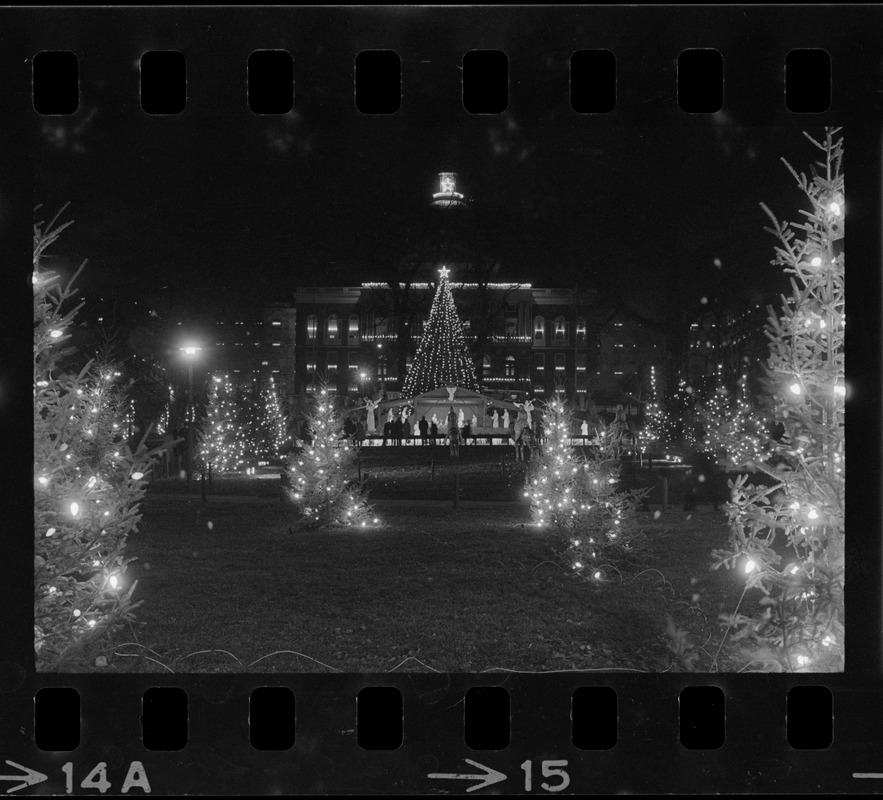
x: 320, y: 478
x: 275, y: 420
x: 788, y: 535
x: 87, y: 483
x: 261, y: 423
x: 579, y: 499
x: 221, y: 443
x: 735, y: 428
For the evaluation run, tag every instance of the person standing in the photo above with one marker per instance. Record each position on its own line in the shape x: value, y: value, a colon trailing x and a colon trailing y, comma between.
x: 433, y: 431
x: 466, y: 432
x: 454, y: 438
x: 387, y: 432
x: 423, y: 425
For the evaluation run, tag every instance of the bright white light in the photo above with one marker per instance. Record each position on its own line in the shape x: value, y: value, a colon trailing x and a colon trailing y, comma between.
x: 834, y: 208
x: 750, y: 566
x: 137, y: 475
x: 43, y: 480
x: 813, y: 514
x: 840, y: 390
x: 50, y: 531
x: 802, y: 661
x: 75, y: 509
x: 113, y: 581
x: 77, y: 612
x: 55, y: 334
x: 795, y: 506
x: 816, y: 262
x: 91, y: 623
x: 190, y: 350
x: 597, y: 574
x: 795, y: 388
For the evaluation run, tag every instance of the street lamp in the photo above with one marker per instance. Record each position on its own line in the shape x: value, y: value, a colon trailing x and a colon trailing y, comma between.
x: 190, y: 352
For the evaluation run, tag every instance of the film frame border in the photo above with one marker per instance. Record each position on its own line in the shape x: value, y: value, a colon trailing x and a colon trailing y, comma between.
x: 755, y: 756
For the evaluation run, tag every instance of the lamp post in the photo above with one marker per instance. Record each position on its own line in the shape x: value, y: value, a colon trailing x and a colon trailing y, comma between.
x: 190, y: 352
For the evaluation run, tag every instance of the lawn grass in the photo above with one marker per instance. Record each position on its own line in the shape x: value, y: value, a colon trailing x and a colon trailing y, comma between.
x: 227, y: 587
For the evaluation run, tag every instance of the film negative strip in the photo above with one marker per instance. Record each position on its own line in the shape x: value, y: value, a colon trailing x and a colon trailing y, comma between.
x: 447, y: 332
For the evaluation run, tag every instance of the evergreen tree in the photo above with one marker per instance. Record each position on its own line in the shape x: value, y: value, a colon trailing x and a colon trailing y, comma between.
x: 276, y: 420
x: 261, y: 421
x: 735, y: 428
x: 789, y: 536
x: 442, y: 357
x: 578, y: 497
x: 320, y: 477
x: 87, y: 483
x: 221, y: 442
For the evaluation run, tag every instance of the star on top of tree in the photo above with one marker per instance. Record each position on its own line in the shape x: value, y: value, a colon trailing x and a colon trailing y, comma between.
x: 444, y: 272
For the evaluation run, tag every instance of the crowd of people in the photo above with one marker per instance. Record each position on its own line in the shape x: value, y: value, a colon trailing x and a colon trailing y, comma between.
x: 451, y: 431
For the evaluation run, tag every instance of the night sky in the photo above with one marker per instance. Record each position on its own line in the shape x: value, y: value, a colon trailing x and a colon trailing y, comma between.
x: 218, y: 195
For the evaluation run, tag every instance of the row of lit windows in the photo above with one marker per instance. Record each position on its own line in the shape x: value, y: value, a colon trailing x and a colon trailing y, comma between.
x: 275, y: 323
x: 333, y: 326
x: 242, y: 344
x: 559, y: 330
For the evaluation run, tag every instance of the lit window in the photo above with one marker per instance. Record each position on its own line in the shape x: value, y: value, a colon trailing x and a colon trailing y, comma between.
x: 332, y: 360
x: 276, y: 323
x: 510, y: 366
x: 539, y: 329
x: 353, y: 359
x: 312, y: 325
x: 560, y: 330
x: 353, y: 329
x: 580, y: 330
x: 332, y: 328
x: 539, y: 362
x: 277, y: 344
x: 265, y: 363
x: 559, y: 362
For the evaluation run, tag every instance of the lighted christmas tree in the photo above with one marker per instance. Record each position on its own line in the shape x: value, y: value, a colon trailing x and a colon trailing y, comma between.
x: 221, y: 443
x: 788, y: 537
x: 87, y: 482
x: 320, y: 479
x: 261, y: 422
x: 276, y: 420
x: 734, y: 428
x: 578, y: 497
x: 442, y: 357
x: 655, y: 421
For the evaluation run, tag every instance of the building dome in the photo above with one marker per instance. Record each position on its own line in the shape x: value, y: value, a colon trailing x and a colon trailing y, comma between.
x: 447, y: 195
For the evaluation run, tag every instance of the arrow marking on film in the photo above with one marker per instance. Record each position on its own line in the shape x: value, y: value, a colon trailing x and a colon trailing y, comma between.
x: 30, y: 778
x: 490, y: 776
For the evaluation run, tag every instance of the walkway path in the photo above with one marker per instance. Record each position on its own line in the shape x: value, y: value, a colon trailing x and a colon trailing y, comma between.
x: 244, y: 498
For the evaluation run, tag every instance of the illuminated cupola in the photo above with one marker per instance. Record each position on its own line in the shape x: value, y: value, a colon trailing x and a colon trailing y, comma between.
x: 447, y: 194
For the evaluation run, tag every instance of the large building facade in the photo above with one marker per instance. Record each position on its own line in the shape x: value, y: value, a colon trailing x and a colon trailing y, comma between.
x: 525, y: 340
